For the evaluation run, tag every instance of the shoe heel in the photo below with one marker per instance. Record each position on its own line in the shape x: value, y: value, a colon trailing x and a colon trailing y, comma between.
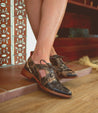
x: 26, y: 74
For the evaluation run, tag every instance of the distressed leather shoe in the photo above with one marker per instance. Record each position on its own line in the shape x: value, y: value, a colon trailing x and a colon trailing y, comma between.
x: 50, y: 82
x: 62, y: 69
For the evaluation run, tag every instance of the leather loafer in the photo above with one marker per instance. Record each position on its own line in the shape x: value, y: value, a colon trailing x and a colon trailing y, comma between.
x: 62, y: 69
x: 50, y: 82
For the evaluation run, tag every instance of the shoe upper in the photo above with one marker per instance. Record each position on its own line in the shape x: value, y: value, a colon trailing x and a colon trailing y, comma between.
x: 50, y: 81
x: 62, y: 69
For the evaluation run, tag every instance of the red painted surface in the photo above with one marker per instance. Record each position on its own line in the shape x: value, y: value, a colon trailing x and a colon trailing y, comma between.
x: 80, y: 1
x: 73, y: 20
x: 79, y: 15
x: 74, y: 48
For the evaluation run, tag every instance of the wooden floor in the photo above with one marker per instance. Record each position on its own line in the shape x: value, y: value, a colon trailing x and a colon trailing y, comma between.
x: 84, y: 100
x: 13, y: 84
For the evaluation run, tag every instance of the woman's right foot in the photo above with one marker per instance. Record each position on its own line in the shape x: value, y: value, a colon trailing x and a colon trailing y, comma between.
x: 50, y: 82
x: 62, y: 70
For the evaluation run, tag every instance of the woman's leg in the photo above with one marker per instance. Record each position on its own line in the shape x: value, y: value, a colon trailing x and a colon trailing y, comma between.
x: 33, y: 8
x: 52, y: 13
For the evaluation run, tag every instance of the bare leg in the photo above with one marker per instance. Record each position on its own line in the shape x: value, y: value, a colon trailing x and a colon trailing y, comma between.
x: 52, y: 12
x: 46, y: 29
x: 51, y: 18
x: 33, y: 8
x: 53, y: 52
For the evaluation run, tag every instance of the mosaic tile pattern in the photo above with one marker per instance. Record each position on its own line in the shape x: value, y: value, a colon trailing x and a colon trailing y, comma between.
x: 12, y: 32
x: 19, y: 32
x: 5, y: 28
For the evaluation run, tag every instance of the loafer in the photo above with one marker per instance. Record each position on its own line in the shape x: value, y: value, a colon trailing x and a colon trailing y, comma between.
x: 50, y: 82
x: 62, y: 69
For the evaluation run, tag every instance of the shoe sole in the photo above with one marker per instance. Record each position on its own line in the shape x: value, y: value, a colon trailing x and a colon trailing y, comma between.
x: 27, y: 74
x: 61, y: 76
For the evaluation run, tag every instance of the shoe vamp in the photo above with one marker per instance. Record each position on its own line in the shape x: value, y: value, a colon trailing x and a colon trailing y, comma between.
x: 57, y: 86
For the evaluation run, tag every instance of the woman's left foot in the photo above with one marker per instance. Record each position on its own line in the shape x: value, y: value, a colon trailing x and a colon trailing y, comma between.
x: 62, y: 69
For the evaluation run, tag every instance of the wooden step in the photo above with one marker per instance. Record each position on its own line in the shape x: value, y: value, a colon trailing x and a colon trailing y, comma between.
x: 84, y: 99
x: 13, y: 84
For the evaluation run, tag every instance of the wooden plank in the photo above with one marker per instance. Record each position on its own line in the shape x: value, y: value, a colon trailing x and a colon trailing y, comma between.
x: 16, y: 85
x: 84, y: 99
x: 74, y: 48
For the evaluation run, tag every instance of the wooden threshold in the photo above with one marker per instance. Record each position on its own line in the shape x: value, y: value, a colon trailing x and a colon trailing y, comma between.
x: 84, y: 99
x: 13, y: 84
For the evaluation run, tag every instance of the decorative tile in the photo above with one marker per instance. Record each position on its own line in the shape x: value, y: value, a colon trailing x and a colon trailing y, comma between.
x: 12, y: 32
x: 5, y: 28
x: 20, y: 10
x: 5, y: 2
x: 5, y: 55
x: 19, y: 31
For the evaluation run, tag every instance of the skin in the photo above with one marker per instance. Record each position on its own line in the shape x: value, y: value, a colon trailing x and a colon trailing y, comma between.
x: 45, y: 17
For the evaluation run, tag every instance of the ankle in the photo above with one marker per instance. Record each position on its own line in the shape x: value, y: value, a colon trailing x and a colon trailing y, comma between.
x: 37, y: 57
x: 53, y: 53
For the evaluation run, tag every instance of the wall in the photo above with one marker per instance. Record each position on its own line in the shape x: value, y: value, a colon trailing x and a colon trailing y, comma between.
x: 31, y: 41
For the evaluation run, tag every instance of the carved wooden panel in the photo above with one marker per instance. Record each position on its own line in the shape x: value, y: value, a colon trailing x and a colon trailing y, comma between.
x: 12, y: 32
x: 19, y: 31
x: 5, y: 28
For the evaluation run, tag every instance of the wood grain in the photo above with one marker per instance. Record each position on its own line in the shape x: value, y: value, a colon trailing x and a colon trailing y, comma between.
x: 84, y: 100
